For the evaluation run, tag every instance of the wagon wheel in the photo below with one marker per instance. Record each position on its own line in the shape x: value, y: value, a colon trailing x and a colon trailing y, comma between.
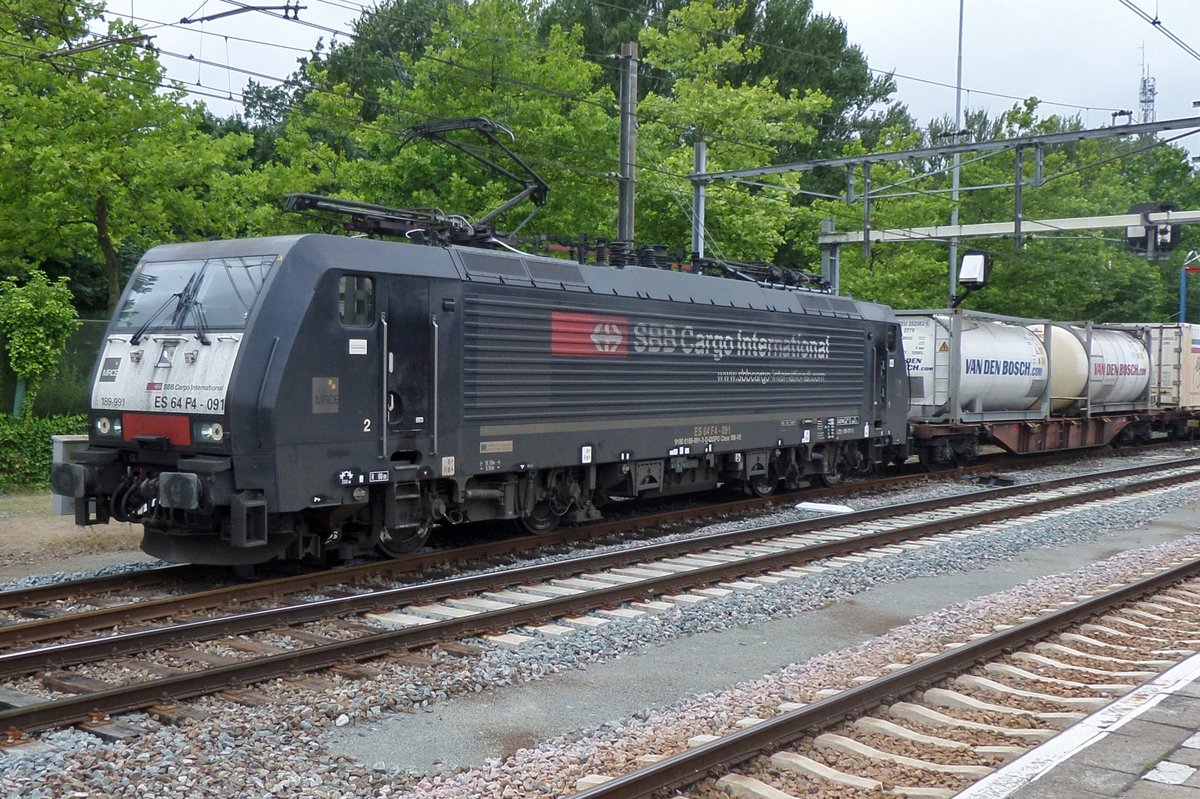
x: 540, y: 520
x: 760, y: 486
x: 403, y: 541
x: 830, y: 478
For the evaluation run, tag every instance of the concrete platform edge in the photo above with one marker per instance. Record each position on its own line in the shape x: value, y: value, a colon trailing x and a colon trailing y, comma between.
x: 1038, y: 761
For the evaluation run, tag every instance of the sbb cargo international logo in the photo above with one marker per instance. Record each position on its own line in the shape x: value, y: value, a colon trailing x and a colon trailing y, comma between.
x: 589, y: 335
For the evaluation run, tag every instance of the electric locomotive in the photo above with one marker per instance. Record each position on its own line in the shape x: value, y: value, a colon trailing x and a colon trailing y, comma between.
x: 322, y: 396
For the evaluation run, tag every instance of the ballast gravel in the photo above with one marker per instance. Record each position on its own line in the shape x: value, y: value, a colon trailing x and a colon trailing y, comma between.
x: 285, y: 748
x: 117, y: 569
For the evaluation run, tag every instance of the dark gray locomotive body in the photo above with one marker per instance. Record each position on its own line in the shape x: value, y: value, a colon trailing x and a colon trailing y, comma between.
x: 320, y: 395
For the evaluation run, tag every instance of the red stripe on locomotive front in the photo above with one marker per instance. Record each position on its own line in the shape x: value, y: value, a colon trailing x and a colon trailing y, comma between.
x: 177, y: 429
x: 588, y: 334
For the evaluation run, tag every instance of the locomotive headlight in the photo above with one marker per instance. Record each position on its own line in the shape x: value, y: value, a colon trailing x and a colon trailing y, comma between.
x: 107, y: 425
x: 212, y: 431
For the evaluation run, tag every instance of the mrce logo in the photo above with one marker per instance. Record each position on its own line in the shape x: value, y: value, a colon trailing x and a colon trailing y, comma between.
x: 109, y: 370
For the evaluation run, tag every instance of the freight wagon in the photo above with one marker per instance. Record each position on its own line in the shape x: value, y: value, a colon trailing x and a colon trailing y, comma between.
x: 1038, y: 386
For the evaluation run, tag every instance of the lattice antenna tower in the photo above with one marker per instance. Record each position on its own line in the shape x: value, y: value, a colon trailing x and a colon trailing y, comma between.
x: 1148, y: 91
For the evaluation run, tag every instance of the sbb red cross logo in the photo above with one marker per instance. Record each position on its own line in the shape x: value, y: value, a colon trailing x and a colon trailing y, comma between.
x: 607, y: 337
x: 576, y: 334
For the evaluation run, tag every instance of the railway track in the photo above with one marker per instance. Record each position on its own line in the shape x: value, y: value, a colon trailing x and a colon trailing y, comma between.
x: 612, y: 584
x: 934, y: 725
x: 39, y: 601
x: 93, y: 605
x: 122, y: 599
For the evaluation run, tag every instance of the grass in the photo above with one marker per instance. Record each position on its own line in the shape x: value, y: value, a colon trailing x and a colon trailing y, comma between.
x: 24, y: 503
x: 30, y: 532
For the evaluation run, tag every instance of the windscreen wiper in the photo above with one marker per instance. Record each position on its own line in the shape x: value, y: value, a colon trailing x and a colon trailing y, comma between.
x: 189, y: 303
x: 136, y: 338
x: 201, y: 322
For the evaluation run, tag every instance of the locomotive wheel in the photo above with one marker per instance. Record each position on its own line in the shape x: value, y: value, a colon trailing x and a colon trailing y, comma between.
x: 830, y: 478
x: 760, y: 486
x: 396, y: 545
x: 541, y: 520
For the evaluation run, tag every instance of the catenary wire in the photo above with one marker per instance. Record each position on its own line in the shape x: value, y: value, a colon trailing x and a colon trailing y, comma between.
x: 347, y: 34
x: 1156, y: 23
x: 677, y: 176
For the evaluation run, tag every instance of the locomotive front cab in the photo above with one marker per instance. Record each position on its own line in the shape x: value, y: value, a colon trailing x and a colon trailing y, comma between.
x: 159, y: 434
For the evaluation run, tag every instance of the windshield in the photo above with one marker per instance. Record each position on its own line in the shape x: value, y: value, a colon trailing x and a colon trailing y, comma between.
x: 210, y: 293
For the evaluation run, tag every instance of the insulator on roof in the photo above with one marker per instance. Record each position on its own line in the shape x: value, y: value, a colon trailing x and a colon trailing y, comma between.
x: 621, y: 253
x: 653, y: 255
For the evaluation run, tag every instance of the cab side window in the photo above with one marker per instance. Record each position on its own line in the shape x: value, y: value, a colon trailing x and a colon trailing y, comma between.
x: 356, y: 300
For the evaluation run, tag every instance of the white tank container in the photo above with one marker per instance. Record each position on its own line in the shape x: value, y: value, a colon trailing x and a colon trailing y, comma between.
x: 1002, y: 367
x: 1120, y: 368
x: 1068, y: 366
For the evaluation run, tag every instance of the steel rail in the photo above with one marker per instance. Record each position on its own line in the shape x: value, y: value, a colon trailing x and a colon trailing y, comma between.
x: 27, y: 661
x: 20, y: 597
x: 29, y: 632
x: 132, y: 697
x: 693, y: 765
x: 147, y: 610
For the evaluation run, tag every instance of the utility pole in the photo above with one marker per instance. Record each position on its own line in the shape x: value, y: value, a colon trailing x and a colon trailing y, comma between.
x: 699, y: 164
x: 1189, y: 265
x: 628, y: 159
x: 955, y: 170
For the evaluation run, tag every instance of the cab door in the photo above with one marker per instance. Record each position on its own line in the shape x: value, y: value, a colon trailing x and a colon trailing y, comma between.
x: 353, y: 385
x: 879, y: 403
x: 408, y: 367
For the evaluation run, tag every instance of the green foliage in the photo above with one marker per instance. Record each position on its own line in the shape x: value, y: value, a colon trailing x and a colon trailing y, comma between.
x: 1072, y: 275
x: 745, y: 125
x: 94, y: 158
x: 484, y: 61
x: 98, y: 163
x: 535, y: 70
x: 26, y: 448
x: 369, y: 64
x: 607, y: 26
x: 35, y: 320
x: 803, y: 51
x: 68, y: 389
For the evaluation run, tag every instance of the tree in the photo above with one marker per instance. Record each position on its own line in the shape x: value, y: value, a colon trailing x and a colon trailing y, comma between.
x: 1069, y: 276
x: 801, y: 51
x: 94, y: 158
x: 35, y: 320
x: 387, y: 40
x: 605, y: 27
x: 484, y: 62
x: 745, y: 125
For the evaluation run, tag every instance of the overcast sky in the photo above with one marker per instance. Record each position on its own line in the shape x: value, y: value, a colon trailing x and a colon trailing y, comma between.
x: 1084, y: 54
